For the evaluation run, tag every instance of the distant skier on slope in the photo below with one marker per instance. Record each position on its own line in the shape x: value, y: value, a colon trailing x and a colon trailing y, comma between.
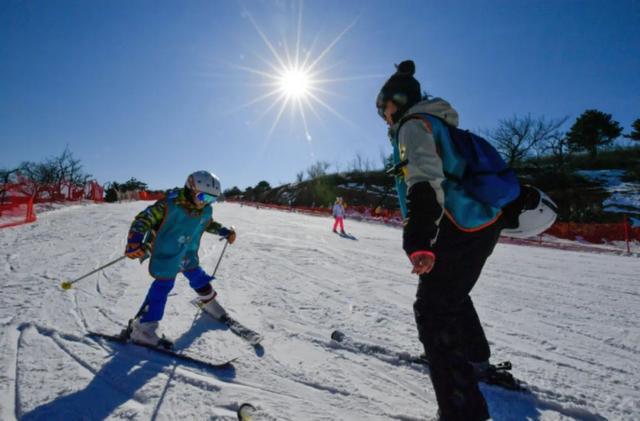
x: 338, y: 215
x: 176, y: 224
x: 449, y: 232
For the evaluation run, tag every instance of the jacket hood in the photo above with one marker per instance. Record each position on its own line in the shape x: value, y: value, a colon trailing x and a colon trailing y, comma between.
x: 437, y: 107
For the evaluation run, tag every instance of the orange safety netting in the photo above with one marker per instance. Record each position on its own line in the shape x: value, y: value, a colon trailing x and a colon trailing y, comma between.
x: 145, y: 195
x: 15, y: 210
x: 17, y: 199
x: 594, y: 233
x: 360, y: 213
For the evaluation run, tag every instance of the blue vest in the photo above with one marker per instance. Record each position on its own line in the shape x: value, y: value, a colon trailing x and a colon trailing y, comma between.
x: 466, y: 212
x: 175, y: 248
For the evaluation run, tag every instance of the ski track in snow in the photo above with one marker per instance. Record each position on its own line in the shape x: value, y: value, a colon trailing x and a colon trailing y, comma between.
x: 567, y: 321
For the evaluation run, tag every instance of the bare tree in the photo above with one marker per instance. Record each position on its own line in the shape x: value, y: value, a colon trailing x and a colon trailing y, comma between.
x: 39, y: 177
x: 386, y: 159
x: 68, y: 171
x: 558, y: 147
x: 517, y: 137
x: 6, y: 176
x: 318, y: 169
x: 51, y: 175
x: 360, y: 164
x: 300, y: 177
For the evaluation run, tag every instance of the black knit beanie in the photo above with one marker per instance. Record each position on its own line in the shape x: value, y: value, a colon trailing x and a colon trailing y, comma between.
x: 401, y: 88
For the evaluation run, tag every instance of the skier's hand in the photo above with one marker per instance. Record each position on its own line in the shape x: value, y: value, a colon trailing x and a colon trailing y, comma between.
x: 228, y: 233
x: 135, y: 248
x: 422, y: 261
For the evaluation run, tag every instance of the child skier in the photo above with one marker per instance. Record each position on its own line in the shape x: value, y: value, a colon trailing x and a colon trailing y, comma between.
x: 175, y: 224
x: 338, y: 214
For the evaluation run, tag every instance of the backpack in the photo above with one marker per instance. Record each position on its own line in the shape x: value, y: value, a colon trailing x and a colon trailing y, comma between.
x: 486, y: 178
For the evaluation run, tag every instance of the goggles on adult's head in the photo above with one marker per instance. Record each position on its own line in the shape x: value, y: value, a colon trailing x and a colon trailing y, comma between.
x: 399, y: 98
x: 206, y: 197
x: 381, y: 104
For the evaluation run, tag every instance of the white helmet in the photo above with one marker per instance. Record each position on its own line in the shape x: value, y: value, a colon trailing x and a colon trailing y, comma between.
x: 537, y: 215
x: 203, y: 182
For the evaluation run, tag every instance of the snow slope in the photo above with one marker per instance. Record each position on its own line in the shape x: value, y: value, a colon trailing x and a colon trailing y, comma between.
x: 567, y: 320
x: 625, y: 196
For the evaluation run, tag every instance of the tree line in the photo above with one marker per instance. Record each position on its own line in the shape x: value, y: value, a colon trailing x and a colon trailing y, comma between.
x: 520, y: 138
x: 49, y: 177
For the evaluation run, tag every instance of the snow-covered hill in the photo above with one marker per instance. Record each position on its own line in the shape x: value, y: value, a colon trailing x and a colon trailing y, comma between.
x: 567, y: 321
x: 624, y: 195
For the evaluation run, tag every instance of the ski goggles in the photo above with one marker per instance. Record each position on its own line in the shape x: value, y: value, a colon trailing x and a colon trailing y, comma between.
x: 206, y: 197
x: 399, y: 98
x: 381, y: 104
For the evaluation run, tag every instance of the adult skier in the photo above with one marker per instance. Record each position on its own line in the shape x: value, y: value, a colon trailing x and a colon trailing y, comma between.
x: 447, y: 235
x: 170, y: 231
x: 338, y: 215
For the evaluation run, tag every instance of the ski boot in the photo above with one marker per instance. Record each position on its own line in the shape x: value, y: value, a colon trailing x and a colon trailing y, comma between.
x: 145, y: 333
x: 497, y: 375
x: 209, y: 304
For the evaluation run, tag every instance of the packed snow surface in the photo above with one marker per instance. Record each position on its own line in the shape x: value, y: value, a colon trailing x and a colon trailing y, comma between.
x: 624, y: 196
x: 567, y: 320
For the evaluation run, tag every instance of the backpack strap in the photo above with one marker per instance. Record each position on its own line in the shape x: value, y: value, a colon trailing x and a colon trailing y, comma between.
x: 423, y: 117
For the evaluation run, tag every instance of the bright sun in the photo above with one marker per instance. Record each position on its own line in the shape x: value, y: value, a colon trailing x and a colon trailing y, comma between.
x: 295, y: 83
x: 295, y: 79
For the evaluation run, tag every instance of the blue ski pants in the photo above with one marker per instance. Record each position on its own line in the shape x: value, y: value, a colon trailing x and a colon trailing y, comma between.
x: 156, y: 298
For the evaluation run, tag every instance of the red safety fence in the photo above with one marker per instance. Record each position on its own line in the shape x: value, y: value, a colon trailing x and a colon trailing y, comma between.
x: 16, y: 210
x: 584, y: 233
x: 145, y: 195
x: 18, y: 200
x: 595, y: 233
x: 359, y: 213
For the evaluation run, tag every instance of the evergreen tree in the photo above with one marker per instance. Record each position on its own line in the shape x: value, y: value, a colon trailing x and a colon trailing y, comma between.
x: 233, y: 191
x: 592, y: 130
x: 635, y: 133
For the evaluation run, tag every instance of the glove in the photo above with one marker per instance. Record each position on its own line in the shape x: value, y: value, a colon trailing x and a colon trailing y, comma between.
x: 135, y: 248
x: 422, y: 261
x: 227, y: 233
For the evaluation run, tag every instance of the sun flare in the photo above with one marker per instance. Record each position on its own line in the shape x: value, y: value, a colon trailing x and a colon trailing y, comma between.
x: 295, y: 83
x: 296, y: 79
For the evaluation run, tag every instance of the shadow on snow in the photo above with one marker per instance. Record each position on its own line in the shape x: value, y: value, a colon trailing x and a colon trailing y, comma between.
x: 118, y: 380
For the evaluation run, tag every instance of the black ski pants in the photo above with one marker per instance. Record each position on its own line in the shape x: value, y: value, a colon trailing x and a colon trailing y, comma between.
x: 448, y: 325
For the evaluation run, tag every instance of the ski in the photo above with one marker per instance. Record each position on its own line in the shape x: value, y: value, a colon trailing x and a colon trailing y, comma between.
x: 347, y: 235
x: 495, y: 375
x: 162, y: 349
x: 251, y: 336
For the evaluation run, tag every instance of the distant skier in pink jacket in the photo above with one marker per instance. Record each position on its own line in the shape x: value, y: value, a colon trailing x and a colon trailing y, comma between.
x: 338, y: 214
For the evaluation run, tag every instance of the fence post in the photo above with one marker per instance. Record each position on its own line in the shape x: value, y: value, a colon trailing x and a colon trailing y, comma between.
x: 626, y: 232
x: 30, y: 217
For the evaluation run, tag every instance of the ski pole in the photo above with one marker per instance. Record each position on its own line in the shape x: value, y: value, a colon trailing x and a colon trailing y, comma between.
x: 65, y: 285
x: 226, y: 243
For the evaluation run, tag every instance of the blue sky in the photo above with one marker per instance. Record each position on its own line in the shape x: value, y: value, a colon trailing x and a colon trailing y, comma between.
x: 155, y: 89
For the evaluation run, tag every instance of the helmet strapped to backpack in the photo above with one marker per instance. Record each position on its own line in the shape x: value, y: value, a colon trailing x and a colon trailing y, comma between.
x: 537, y: 212
x: 204, y: 186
